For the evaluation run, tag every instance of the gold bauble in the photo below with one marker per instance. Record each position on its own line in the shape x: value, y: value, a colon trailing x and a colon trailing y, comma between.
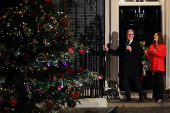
x: 44, y: 69
x: 62, y: 55
x: 42, y: 10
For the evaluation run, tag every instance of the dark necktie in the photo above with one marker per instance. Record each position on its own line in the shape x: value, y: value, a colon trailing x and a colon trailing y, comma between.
x: 127, y: 43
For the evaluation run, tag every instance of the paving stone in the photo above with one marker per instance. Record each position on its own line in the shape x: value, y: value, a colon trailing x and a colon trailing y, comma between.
x: 126, y: 107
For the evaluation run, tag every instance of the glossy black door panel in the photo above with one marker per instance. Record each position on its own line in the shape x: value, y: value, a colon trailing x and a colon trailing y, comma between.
x: 128, y: 15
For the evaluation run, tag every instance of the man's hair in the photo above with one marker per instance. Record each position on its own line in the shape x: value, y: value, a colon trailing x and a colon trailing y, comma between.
x: 160, y: 38
x: 130, y: 30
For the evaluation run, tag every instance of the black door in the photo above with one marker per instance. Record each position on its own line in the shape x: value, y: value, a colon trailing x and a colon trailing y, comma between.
x: 145, y: 21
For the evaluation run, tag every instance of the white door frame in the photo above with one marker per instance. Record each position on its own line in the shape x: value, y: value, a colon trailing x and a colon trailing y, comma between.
x: 112, y: 35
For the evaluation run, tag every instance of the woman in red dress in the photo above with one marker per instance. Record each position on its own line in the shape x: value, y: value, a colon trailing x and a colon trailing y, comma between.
x: 157, y: 52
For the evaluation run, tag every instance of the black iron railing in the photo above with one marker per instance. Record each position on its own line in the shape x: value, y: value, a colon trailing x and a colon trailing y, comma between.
x: 90, y: 28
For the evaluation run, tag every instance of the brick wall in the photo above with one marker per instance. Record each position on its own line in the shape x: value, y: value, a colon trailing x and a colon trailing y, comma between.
x: 83, y: 14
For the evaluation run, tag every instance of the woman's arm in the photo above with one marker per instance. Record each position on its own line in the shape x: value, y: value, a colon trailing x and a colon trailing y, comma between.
x: 161, y: 53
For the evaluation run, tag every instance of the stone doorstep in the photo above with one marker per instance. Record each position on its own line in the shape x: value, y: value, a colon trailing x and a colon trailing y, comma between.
x: 137, y: 104
x: 92, y: 102
x: 136, y: 94
x: 147, y: 94
x: 103, y: 102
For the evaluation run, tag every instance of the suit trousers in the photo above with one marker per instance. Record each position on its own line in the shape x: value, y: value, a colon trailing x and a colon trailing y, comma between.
x: 137, y: 85
x: 157, y: 81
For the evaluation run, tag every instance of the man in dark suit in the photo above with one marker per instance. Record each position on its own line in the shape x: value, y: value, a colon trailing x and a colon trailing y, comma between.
x: 129, y: 52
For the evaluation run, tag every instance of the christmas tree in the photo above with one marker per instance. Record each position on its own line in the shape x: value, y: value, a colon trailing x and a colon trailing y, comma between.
x: 36, y: 54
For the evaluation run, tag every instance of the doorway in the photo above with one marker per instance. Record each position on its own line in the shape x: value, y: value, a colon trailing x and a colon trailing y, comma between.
x: 145, y: 21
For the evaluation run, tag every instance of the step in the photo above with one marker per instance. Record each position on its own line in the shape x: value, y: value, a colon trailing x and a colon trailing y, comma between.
x: 105, y: 102
x: 135, y: 94
x: 134, y: 103
x: 92, y: 102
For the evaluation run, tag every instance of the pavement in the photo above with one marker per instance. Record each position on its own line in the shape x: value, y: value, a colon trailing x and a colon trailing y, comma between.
x: 148, y: 106
x: 120, y: 110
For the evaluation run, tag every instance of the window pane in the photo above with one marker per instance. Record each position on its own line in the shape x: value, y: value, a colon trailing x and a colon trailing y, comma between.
x: 151, y: 0
x: 139, y: 0
x: 127, y: 0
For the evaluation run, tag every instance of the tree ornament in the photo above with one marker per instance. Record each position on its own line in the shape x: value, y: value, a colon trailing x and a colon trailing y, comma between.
x: 78, y: 73
x: 63, y: 36
x: 41, y: 58
x: 57, y: 34
x: 48, y: 104
x: 47, y: 1
x: 55, y: 63
x: 64, y: 63
x: 70, y: 71
x: 62, y: 55
x: 71, y: 49
x: 80, y: 69
x: 47, y: 42
x: 42, y: 18
x: 49, y: 64
x: 44, y: 69
x: 39, y: 105
x: 8, y: 24
x: 2, y: 80
x: 35, y: 66
x: 17, y: 52
x: 27, y: 31
x: 64, y: 23
x: 21, y: 13
x: 13, y: 102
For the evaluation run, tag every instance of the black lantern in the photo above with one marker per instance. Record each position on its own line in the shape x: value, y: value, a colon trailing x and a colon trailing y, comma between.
x: 113, y: 93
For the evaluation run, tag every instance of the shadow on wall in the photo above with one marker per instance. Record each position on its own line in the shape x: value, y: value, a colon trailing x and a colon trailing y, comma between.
x: 111, y: 63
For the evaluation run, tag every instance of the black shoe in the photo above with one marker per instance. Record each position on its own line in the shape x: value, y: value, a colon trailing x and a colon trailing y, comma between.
x: 127, y: 99
x: 140, y: 99
x: 154, y: 100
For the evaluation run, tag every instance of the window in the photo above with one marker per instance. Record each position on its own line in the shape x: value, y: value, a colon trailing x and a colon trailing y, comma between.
x: 140, y: 0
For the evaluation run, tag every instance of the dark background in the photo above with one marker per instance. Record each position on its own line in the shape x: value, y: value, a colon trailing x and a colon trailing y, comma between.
x: 8, y: 3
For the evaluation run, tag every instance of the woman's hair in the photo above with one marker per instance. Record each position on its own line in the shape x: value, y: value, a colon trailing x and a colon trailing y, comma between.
x: 160, y: 38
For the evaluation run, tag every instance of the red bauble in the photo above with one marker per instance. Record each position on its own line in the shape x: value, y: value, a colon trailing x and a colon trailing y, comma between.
x: 13, y: 102
x: 48, y: 104
x: 64, y: 23
x: 47, y: 1
x: 71, y: 49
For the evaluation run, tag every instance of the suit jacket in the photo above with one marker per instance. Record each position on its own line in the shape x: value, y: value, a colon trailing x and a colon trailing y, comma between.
x: 128, y: 60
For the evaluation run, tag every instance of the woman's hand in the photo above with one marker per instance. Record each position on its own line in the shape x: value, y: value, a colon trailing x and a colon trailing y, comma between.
x: 154, y: 50
x: 105, y: 48
x: 145, y: 51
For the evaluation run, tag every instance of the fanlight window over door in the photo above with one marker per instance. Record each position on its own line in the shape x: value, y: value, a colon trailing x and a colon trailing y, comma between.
x: 140, y: 0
